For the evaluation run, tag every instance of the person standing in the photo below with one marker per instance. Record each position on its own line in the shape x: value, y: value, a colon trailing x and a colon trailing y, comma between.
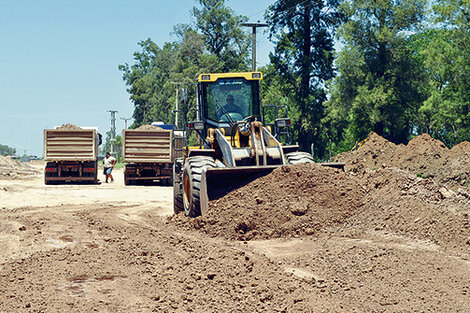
x: 109, y: 163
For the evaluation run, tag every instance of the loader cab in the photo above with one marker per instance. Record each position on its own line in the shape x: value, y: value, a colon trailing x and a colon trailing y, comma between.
x: 228, y: 98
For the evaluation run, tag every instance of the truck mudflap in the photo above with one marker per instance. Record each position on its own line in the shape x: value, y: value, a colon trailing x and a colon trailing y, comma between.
x: 217, y: 182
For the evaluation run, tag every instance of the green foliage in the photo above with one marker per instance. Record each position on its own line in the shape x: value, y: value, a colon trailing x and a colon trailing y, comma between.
x: 148, y: 82
x: 379, y: 83
x: 303, y: 59
x: 215, y: 44
x: 446, y: 57
x: 421, y: 175
x: 6, y: 150
x: 392, y: 75
x: 223, y: 36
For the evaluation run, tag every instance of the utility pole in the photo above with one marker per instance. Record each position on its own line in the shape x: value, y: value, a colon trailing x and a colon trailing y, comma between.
x: 177, y: 100
x: 125, y: 119
x: 253, y: 44
x: 113, y: 131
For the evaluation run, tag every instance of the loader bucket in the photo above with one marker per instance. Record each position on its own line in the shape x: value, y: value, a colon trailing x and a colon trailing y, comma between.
x: 338, y: 165
x: 217, y: 182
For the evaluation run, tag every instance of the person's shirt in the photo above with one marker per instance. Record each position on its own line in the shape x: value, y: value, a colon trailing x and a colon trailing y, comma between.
x: 109, y: 162
x: 230, y: 108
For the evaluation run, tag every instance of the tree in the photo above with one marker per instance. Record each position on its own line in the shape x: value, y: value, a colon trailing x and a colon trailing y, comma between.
x: 224, y: 38
x: 148, y: 82
x: 216, y: 44
x: 446, y: 58
x: 192, y: 60
x: 303, y: 32
x: 6, y: 150
x: 378, y: 86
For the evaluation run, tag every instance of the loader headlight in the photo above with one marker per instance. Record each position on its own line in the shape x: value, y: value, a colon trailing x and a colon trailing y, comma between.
x: 205, y: 77
x: 256, y: 75
x: 197, y: 125
x: 282, y: 122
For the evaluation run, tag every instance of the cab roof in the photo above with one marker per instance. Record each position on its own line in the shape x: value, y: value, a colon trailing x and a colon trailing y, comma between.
x: 212, y: 77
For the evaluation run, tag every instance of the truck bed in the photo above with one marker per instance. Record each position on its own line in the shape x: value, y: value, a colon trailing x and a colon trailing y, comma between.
x: 147, y: 146
x: 70, y: 145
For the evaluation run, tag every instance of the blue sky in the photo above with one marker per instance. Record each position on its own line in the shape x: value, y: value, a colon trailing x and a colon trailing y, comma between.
x: 59, y: 60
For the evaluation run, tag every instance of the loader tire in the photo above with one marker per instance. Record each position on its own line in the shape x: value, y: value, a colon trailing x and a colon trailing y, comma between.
x: 177, y: 187
x: 192, y: 172
x: 298, y: 158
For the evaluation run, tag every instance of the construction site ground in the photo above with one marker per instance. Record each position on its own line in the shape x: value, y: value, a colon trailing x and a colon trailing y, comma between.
x: 390, y: 234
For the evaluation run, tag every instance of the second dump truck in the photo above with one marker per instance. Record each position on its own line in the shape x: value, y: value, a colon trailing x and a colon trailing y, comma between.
x: 148, y: 154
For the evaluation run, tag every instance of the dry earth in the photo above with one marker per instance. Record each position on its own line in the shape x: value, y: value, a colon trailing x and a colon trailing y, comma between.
x: 377, y: 238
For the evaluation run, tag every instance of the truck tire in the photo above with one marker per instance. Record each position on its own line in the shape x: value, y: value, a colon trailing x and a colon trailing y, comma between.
x: 169, y: 181
x: 298, y: 157
x: 192, y: 172
x: 178, y: 205
x: 166, y: 182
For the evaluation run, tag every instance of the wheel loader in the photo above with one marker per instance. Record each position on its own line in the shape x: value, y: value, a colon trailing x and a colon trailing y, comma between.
x: 234, y: 147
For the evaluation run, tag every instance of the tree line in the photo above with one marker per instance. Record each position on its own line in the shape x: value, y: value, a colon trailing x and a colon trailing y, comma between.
x: 6, y: 150
x: 343, y: 68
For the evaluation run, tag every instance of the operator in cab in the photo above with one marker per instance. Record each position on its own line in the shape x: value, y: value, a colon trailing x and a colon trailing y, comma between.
x: 231, y: 109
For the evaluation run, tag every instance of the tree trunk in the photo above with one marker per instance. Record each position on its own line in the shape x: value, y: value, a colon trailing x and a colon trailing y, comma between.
x: 305, y: 72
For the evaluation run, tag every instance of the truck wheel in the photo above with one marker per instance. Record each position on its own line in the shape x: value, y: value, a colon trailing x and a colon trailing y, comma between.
x: 169, y: 181
x: 192, y: 172
x: 298, y: 158
x: 177, y: 187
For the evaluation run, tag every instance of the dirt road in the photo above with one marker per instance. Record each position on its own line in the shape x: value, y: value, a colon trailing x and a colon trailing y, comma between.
x: 116, y: 248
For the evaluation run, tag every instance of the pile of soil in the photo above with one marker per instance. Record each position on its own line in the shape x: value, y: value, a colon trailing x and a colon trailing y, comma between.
x: 291, y: 201
x: 69, y: 126
x: 463, y: 147
x: 423, y: 156
x: 400, y: 203
x: 386, y: 187
x: 14, y: 169
x: 148, y: 127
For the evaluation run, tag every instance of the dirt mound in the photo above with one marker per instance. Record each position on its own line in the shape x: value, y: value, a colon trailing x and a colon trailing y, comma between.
x: 372, y: 154
x: 423, y: 156
x: 291, y: 201
x: 13, y: 169
x: 69, y: 126
x: 463, y: 147
x: 403, y: 204
x: 148, y: 127
x: 307, y: 199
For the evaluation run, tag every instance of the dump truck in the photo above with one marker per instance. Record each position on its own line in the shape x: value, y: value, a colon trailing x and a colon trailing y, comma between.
x: 149, y: 155
x: 234, y: 146
x: 71, y: 154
